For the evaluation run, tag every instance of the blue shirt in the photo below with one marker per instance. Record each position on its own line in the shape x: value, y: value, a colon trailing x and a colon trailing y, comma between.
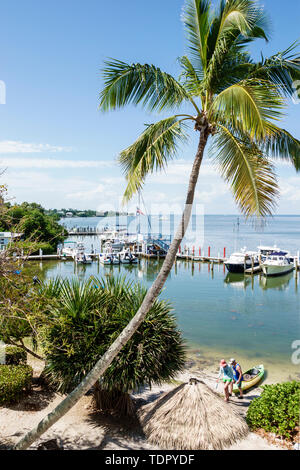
x: 236, y: 373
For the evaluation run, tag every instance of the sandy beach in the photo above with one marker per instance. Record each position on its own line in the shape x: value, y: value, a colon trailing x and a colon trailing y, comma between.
x: 84, y: 428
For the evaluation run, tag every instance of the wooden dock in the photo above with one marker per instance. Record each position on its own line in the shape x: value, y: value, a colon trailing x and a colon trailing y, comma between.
x: 201, y: 259
x: 254, y: 270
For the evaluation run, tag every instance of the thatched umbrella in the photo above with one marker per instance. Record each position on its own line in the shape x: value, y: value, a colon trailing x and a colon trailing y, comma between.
x: 191, y: 417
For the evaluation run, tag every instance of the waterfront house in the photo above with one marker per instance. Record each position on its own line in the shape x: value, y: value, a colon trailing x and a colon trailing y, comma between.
x: 8, y: 237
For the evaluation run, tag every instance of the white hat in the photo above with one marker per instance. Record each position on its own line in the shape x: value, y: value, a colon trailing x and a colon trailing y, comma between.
x: 232, y: 360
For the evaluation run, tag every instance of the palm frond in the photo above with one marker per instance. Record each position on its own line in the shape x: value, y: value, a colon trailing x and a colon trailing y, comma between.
x: 281, y: 69
x: 249, y: 105
x: 152, y: 150
x: 137, y: 83
x: 281, y: 144
x: 238, y: 23
x: 197, y: 21
x: 250, y: 175
x: 192, y: 78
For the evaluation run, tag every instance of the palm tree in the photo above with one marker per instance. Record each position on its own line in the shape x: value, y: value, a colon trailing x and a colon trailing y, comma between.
x: 86, y: 318
x: 236, y: 103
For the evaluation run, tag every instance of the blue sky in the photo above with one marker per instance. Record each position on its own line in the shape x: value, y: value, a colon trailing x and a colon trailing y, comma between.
x: 59, y: 150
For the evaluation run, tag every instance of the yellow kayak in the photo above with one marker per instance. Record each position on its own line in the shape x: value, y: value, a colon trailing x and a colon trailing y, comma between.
x: 251, y: 378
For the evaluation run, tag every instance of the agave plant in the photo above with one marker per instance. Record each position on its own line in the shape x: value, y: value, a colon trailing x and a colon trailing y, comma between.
x: 89, y: 316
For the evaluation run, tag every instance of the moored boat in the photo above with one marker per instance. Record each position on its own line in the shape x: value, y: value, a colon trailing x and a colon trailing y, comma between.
x: 104, y: 259
x: 69, y: 248
x: 126, y: 257
x: 278, y: 264
x: 251, y: 378
x: 238, y: 262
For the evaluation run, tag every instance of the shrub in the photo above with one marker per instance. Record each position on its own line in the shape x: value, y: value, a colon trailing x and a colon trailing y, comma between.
x: 15, y: 356
x: 14, y: 380
x: 88, y: 317
x: 277, y: 409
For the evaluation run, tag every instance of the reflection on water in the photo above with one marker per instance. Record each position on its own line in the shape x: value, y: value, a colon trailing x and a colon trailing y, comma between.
x: 238, y: 281
x: 220, y: 314
x: 280, y: 282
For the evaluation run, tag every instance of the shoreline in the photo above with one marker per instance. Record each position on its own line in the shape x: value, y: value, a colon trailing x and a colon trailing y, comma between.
x: 84, y: 428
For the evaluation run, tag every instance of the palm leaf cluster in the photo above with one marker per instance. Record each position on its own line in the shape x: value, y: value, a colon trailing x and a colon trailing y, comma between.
x: 88, y: 316
x: 234, y: 100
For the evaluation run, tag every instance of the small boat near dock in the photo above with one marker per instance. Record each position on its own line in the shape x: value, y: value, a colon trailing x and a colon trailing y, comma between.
x: 277, y: 264
x: 241, y: 261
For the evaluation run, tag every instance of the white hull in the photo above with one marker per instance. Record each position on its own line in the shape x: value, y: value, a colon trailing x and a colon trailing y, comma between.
x: 273, y: 270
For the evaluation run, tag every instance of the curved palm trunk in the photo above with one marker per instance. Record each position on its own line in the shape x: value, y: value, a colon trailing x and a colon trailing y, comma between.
x: 152, y: 294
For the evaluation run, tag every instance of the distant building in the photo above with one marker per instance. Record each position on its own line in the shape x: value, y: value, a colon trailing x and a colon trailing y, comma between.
x: 69, y: 214
x: 7, y: 237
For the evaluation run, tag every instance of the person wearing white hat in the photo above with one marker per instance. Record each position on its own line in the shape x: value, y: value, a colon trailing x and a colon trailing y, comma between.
x: 237, y: 375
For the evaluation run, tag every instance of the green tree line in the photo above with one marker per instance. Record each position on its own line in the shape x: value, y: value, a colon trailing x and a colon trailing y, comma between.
x: 34, y: 223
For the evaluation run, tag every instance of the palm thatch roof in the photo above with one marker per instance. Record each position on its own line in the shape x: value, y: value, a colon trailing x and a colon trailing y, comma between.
x: 191, y: 417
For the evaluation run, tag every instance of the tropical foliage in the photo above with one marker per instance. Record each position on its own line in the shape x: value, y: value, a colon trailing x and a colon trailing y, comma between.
x: 233, y: 99
x: 39, y: 229
x: 15, y: 355
x: 85, y: 321
x: 14, y: 381
x: 277, y: 409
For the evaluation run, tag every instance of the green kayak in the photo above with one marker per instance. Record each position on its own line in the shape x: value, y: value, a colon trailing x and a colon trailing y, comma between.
x: 251, y: 378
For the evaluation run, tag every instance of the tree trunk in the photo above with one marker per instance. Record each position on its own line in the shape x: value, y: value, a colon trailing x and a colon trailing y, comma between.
x: 114, y: 401
x: 152, y: 294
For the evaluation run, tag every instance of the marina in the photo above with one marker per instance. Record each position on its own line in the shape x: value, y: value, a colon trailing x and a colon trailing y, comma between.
x: 220, y: 314
x: 251, y: 315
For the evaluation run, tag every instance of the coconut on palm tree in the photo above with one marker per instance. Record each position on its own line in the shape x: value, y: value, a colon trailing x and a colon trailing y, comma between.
x: 235, y: 104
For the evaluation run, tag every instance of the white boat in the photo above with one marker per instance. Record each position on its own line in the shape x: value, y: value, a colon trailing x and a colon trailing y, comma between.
x: 277, y: 264
x: 239, y: 261
x: 265, y: 251
x: 126, y: 257
x: 83, y: 258
x: 114, y: 258
x: 104, y: 258
x: 80, y: 256
x: 69, y: 248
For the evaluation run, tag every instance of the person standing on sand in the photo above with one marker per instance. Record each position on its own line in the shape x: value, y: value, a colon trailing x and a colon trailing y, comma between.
x: 227, y: 373
x: 237, y: 375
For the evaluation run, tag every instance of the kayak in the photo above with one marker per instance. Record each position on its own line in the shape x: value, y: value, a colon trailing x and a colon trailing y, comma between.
x: 251, y: 378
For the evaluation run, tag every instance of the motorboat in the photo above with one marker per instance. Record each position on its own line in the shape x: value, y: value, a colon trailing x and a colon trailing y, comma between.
x: 239, y: 261
x: 105, y: 258
x: 69, y: 248
x: 277, y: 264
x: 114, y: 258
x: 265, y: 251
x: 126, y: 257
x: 80, y: 256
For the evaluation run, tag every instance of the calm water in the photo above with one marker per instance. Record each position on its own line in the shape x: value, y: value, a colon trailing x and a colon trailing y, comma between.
x: 220, y: 315
x: 209, y: 230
